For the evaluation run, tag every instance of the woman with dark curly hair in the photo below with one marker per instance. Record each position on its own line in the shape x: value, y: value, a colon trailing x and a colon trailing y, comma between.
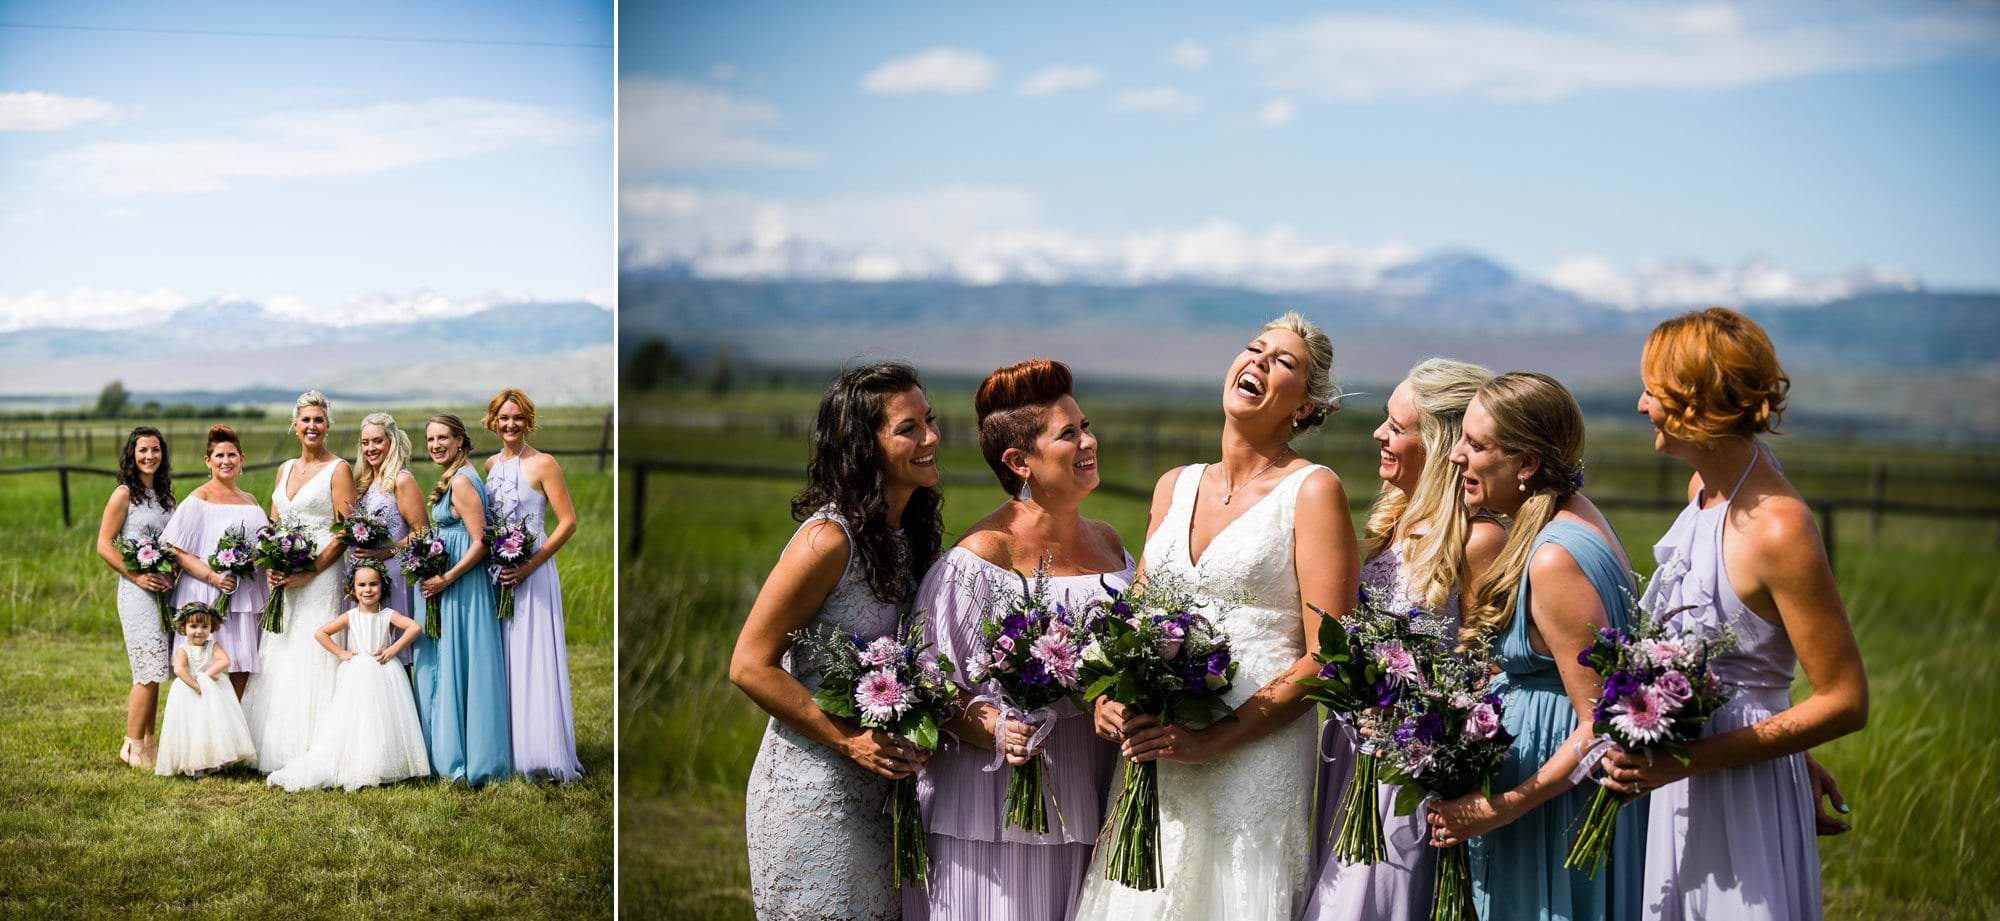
x: 818, y: 835
x: 139, y: 505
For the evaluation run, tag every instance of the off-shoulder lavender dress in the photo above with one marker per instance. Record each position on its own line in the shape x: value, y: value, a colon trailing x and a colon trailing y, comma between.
x: 817, y: 833
x: 1734, y: 843
x: 537, y: 654
x: 980, y: 872
x: 197, y: 527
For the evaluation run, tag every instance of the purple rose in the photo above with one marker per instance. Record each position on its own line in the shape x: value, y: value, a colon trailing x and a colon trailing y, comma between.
x: 1674, y: 686
x: 1482, y: 723
x: 1173, y: 633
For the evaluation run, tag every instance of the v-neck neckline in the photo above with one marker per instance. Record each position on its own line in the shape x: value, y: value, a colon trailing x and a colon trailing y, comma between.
x: 293, y: 496
x: 1194, y: 503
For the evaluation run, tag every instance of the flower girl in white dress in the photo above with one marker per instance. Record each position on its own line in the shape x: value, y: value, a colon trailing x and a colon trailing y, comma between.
x: 370, y: 734
x: 204, y: 727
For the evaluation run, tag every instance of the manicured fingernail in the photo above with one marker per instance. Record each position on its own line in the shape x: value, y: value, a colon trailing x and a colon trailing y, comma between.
x: 1843, y: 809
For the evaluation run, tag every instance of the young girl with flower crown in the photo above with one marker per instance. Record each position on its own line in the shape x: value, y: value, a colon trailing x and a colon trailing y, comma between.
x: 369, y: 735
x: 204, y: 727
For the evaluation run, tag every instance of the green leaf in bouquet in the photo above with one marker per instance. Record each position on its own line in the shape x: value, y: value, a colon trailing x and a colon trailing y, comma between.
x: 1128, y: 689
x: 836, y: 702
x: 924, y: 733
x: 1097, y: 688
x: 1407, y: 798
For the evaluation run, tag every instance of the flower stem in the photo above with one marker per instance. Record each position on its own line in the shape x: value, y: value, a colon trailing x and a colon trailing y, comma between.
x: 912, y: 860
x: 1593, y: 837
x: 1135, y: 831
x: 1360, y: 820
x: 1451, y: 897
x: 1026, y: 808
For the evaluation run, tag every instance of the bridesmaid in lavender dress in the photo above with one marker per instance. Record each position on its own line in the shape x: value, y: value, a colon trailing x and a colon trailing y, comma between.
x: 1731, y: 832
x: 140, y: 503
x: 524, y: 483
x: 817, y: 833
x: 195, y: 531
x: 1039, y: 444
x: 389, y: 491
x: 1420, y: 544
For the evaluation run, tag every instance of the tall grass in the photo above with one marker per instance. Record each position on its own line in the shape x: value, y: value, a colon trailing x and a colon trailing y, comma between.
x: 1924, y: 599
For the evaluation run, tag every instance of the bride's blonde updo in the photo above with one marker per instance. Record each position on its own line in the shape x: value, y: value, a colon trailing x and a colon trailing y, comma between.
x: 1320, y: 388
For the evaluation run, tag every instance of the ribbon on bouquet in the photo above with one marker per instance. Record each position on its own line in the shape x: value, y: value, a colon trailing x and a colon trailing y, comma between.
x: 1329, y: 733
x: 1044, y: 721
x: 1593, y: 753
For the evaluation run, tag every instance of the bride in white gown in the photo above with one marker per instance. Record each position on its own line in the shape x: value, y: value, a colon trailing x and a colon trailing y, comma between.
x: 294, y: 680
x: 1269, y: 530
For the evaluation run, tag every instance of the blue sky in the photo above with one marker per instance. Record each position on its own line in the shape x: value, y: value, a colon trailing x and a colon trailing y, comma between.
x: 341, y: 178
x: 1647, y: 153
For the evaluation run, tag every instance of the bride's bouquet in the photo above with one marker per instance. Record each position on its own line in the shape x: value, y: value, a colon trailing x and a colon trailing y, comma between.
x: 1030, y: 655
x: 1369, y: 661
x: 423, y: 557
x: 1152, y: 651
x: 891, y: 684
x: 234, y: 555
x: 1658, y: 693
x: 509, y: 543
x: 284, y: 547
x: 144, y: 555
x: 1444, y: 739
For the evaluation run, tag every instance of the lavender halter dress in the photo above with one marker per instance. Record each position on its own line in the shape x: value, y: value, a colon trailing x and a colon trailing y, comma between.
x: 1735, y: 843
x: 544, y: 730
x: 980, y: 871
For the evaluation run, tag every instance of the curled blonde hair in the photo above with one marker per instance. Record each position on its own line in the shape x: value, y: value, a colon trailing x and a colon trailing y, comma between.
x: 394, y: 462
x: 313, y: 398
x: 1320, y: 388
x: 1715, y: 374
x: 460, y: 451
x: 1533, y: 415
x: 1435, y: 559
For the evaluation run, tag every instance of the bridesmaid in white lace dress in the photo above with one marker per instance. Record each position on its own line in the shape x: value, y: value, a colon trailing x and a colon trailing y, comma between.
x: 140, y: 504
x: 818, y: 835
x: 1421, y: 544
x: 295, y: 677
x: 1731, y: 832
x: 385, y: 487
x: 1268, y: 529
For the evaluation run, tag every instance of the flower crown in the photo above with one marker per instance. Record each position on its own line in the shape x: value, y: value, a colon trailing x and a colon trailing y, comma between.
x: 193, y: 608
x: 356, y: 565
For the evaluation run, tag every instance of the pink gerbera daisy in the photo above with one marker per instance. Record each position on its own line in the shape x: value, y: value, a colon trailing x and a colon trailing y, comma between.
x: 881, y: 696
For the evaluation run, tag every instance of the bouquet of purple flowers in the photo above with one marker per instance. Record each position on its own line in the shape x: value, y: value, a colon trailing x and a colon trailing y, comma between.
x: 283, y: 547
x: 890, y: 684
x: 1444, y: 738
x: 1369, y: 661
x: 423, y: 557
x: 145, y: 555
x: 360, y: 530
x: 234, y: 556
x: 1658, y: 692
x: 1030, y: 653
x: 1151, y: 651
x: 508, y: 544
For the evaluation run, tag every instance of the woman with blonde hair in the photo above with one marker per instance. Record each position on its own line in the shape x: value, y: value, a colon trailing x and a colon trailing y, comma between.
x: 1420, y: 544
x: 1731, y: 833
x: 525, y: 483
x: 389, y: 491
x: 1235, y: 798
x: 461, y: 675
x: 1560, y: 577
x: 295, y: 677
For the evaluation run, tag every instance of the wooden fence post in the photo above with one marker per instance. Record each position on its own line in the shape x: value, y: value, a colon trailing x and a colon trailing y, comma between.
x: 62, y: 475
x: 1878, y: 488
x: 638, y: 522
x: 604, y: 445
x: 60, y: 438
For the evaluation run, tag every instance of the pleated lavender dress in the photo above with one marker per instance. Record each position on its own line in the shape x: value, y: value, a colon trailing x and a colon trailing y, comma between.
x: 814, y: 822
x: 380, y: 501
x: 537, y: 653
x: 980, y: 872
x: 1517, y: 869
x: 197, y: 527
x: 1734, y: 843
x: 1399, y: 887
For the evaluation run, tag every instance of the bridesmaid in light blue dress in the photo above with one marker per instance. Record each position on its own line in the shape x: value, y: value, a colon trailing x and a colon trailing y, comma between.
x: 462, y: 675
x: 1560, y: 578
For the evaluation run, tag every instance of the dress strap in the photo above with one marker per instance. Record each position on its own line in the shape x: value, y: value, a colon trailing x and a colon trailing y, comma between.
x: 1756, y: 454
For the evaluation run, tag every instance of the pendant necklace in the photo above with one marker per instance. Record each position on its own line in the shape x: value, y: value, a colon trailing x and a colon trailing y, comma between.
x: 1229, y: 492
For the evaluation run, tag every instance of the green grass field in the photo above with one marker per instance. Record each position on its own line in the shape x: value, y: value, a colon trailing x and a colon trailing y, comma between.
x: 1924, y: 598
x: 82, y: 835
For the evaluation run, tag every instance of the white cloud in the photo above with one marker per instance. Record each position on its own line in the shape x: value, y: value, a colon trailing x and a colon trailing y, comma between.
x: 1708, y: 46
x: 939, y: 70
x: 88, y: 308
x: 37, y: 111
x: 122, y: 215
x: 1190, y: 54
x: 670, y: 124
x: 384, y: 307
x: 1156, y: 99
x: 325, y: 142
x: 1655, y: 284
x: 1277, y: 112
x: 1051, y: 80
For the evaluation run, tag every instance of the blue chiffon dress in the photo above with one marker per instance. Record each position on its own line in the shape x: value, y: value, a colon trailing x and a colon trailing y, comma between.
x: 462, y: 675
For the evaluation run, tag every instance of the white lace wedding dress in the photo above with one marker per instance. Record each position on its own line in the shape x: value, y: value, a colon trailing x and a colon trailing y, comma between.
x: 1234, y: 832
x: 295, y: 675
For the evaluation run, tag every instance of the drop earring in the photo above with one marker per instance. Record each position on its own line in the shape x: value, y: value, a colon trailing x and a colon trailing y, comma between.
x: 1026, y: 493
x: 1523, y: 484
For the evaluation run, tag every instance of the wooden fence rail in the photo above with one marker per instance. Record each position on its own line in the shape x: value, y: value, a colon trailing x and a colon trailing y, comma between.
x: 642, y: 469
